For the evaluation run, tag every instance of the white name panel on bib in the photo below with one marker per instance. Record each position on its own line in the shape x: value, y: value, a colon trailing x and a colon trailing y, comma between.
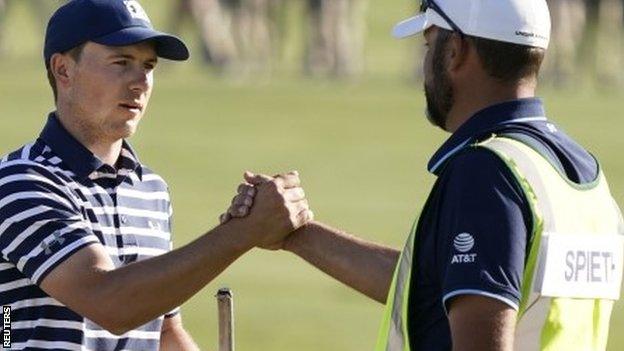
x: 580, y: 266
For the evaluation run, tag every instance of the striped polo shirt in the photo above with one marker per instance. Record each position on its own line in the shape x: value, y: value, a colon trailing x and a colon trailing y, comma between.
x: 56, y: 197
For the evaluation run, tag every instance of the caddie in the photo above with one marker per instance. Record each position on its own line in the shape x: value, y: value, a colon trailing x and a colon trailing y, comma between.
x: 519, y: 245
x: 85, y: 227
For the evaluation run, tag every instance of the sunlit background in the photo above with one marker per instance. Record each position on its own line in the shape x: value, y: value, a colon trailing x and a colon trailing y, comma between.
x: 352, y: 123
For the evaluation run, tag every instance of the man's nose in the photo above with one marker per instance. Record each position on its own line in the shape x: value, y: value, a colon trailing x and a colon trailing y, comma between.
x: 141, y: 80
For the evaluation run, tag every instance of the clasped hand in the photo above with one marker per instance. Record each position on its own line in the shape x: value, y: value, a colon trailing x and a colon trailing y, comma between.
x: 273, y: 206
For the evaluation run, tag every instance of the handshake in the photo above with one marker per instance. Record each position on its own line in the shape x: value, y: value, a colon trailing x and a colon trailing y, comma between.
x: 272, y: 207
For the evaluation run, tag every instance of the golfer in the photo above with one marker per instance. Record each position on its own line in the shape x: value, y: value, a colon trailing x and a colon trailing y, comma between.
x: 519, y: 245
x: 85, y: 227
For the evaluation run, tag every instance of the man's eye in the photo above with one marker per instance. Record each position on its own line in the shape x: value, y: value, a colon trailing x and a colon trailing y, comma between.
x: 149, y: 66
x: 121, y: 62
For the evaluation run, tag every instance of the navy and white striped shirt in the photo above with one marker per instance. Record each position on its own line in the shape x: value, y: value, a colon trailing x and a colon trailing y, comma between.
x: 56, y: 197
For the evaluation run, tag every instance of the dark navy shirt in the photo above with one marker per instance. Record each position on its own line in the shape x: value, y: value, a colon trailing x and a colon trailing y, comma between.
x: 473, y: 232
x: 56, y: 197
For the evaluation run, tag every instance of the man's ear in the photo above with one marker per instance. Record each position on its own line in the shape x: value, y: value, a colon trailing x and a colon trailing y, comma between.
x: 62, y: 67
x: 458, y: 51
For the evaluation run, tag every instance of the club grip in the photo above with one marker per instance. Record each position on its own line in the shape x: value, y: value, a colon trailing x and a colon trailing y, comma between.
x: 225, y: 303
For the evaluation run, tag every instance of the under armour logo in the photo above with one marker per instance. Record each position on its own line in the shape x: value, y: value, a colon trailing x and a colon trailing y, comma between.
x: 46, y: 246
x: 155, y: 226
x: 136, y: 11
x: 551, y: 127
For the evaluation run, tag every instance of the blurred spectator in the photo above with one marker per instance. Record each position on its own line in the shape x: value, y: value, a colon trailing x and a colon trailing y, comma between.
x: 237, y: 36
x: 335, y: 37
x: 212, y: 24
x: 246, y: 36
x: 602, y: 51
x: 252, y: 34
x: 315, y: 57
x: 568, y: 23
x: 586, y: 42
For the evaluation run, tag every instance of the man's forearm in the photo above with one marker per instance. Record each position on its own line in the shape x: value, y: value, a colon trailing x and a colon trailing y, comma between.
x: 124, y: 298
x: 365, y: 266
x: 146, y: 289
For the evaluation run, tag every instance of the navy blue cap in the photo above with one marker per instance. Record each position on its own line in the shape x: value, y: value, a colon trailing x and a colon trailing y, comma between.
x: 107, y: 22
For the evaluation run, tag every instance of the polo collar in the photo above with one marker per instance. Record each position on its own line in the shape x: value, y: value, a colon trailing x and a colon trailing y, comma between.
x: 77, y: 157
x: 528, y: 110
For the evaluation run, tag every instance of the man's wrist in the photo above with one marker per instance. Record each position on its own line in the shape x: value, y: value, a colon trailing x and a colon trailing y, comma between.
x: 294, y: 242
x: 239, y: 233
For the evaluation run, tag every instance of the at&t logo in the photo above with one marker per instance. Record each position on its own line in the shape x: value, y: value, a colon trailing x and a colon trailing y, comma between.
x: 463, y: 243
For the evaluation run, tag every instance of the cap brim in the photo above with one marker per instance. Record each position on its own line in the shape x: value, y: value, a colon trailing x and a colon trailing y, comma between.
x: 167, y: 46
x: 411, y: 26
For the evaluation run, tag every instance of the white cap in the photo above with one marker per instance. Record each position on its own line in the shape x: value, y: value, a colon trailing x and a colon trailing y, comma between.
x: 524, y: 22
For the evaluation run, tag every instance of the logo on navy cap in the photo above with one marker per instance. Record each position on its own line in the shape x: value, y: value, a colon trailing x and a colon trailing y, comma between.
x: 136, y: 10
x: 107, y: 22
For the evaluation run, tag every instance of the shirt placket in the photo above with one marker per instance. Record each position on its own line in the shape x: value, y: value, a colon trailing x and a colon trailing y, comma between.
x: 128, y: 240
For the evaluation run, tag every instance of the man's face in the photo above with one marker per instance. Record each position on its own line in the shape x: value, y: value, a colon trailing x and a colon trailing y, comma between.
x: 110, y: 89
x: 438, y: 87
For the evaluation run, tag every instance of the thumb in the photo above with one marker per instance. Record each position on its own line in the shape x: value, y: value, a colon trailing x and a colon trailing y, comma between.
x: 256, y: 179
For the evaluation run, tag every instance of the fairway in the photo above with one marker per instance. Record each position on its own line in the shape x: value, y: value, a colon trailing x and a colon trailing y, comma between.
x: 361, y: 149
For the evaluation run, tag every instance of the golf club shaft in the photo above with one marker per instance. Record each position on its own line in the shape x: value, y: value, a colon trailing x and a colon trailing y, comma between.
x: 225, y: 302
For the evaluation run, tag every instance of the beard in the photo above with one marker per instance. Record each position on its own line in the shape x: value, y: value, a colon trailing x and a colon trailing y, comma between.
x: 439, y: 92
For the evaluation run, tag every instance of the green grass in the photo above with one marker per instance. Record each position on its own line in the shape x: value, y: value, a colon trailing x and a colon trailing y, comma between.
x: 361, y: 150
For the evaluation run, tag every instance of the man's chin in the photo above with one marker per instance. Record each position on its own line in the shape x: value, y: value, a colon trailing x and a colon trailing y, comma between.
x: 433, y: 114
x: 126, y: 130
x: 129, y: 131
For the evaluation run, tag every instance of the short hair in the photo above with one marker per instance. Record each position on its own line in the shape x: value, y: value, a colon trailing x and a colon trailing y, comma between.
x: 75, y: 54
x: 506, y: 62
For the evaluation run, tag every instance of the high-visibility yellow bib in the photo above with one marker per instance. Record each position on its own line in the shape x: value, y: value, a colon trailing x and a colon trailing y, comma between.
x: 575, y: 257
